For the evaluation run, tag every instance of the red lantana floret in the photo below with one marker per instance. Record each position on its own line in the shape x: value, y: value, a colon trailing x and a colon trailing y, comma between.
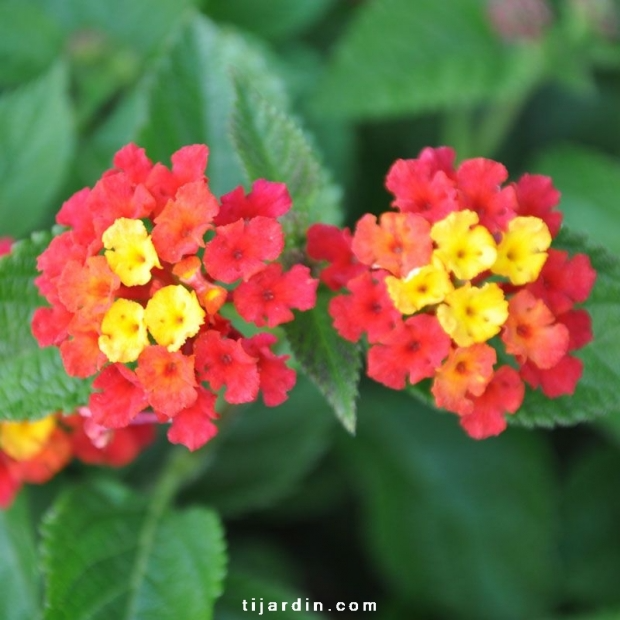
x: 138, y: 282
x: 466, y: 257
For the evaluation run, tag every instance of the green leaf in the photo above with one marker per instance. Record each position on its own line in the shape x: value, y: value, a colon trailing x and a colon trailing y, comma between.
x: 33, y: 381
x: 334, y: 364
x: 36, y: 142
x: 596, y: 393
x: 19, y: 579
x: 272, y: 146
x: 265, y: 452
x: 271, y: 19
x: 402, y: 57
x: 108, y: 554
x: 22, y: 55
x: 186, y: 98
x: 456, y: 526
x: 590, y: 186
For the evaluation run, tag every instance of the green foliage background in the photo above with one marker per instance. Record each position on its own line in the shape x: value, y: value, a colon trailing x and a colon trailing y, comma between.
x: 285, y: 504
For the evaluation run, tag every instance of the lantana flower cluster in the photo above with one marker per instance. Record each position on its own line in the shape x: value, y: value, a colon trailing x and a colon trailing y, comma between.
x: 138, y: 282
x: 462, y: 270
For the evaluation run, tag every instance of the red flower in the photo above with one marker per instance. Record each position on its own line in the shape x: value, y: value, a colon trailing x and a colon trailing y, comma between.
x: 536, y: 196
x: 559, y: 380
x: 50, y: 325
x: 268, y: 296
x: 414, y: 350
x: 240, y: 249
x: 81, y: 355
x: 193, y: 426
x: 132, y: 160
x: 223, y: 362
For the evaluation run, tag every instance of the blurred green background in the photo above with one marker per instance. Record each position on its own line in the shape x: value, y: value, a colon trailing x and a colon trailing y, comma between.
x: 409, y: 513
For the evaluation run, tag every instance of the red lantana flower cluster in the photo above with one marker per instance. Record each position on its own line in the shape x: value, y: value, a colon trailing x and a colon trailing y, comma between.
x: 137, y: 283
x: 465, y: 258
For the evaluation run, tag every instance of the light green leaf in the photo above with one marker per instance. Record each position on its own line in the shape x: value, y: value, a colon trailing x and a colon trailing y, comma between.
x: 19, y: 578
x: 334, y: 364
x: 33, y: 381
x: 108, y: 554
x: 272, y: 146
x: 36, y: 142
x: 590, y: 186
x: 402, y: 57
x: 265, y: 452
x: 461, y: 527
x: 596, y: 393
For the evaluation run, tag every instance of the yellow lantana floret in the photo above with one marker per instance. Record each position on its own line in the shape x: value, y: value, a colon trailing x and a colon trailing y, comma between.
x: 473, y: 314
x: 123, y: 331
x: 423, y: 287
x: 465, y: 248
x: 522, y: 251
x: 24, y: 440
x: 130, y: 251
x: 173, y: 315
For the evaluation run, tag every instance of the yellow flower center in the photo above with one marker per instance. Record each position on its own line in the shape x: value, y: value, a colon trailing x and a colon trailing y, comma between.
x: 522, y: 253
x: 123, y: 331
x: 130, y: 251
x: 473, y: 314
x: 24, y: 440
x: 173, y: 315
x: 464, y: 248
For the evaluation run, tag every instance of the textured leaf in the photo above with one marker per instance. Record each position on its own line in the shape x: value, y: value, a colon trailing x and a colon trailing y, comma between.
x: 461, y: 527
x: 590, y: 186
x: 272, y: 146
x: 265, y: 452
x: 597, y: 391
x: 19, y: 579
x: 403, y: 57
x: 332, y: 363
x: 110, y: 555
x: 33, y: 381
x: 36, y: 142
x: 187, y: 98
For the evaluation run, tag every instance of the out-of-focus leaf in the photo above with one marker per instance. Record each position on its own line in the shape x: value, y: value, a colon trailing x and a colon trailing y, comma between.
x: 596, y: 393
x: 591, y: 542
x: 272, y: 19
x: 265, y: 452
x: 334, y: 364
x: 187, y: 98
x: 590, y: 186
x: 19, y: 578
x: 272, y: 146
x: 36, y: 142
x: 33, y: 381
x: 29, y: 42
x: 401, y: 57
x: 464, y: 528
x: 108, y: 554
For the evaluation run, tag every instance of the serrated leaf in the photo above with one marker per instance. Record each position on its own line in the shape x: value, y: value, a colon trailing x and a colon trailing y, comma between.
x: 265, y: 452
x: 402, y: 57
x: 272, y: 146
x: 33, y: 381
x: 334, y: 364
x: 108, y: 554
x: 590, y: 186
x: 36, y: 142
x: 186, y: 97
x: 462, y: 528
x: 596, y: 393
x: 19, y: 578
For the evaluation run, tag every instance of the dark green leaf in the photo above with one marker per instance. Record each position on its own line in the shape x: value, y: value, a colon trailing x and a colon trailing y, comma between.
x: 36, y: 142
x: 108, y: 554
x: 332, y: 363
x: 19, y: 579
x: 461, y: 527
x: 265, y: 452
x: 402, y: 57
x: 33, y: 381
x: 272, y: 146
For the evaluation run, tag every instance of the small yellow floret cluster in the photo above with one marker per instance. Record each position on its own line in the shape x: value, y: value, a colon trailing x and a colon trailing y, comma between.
x: 24, y: 440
